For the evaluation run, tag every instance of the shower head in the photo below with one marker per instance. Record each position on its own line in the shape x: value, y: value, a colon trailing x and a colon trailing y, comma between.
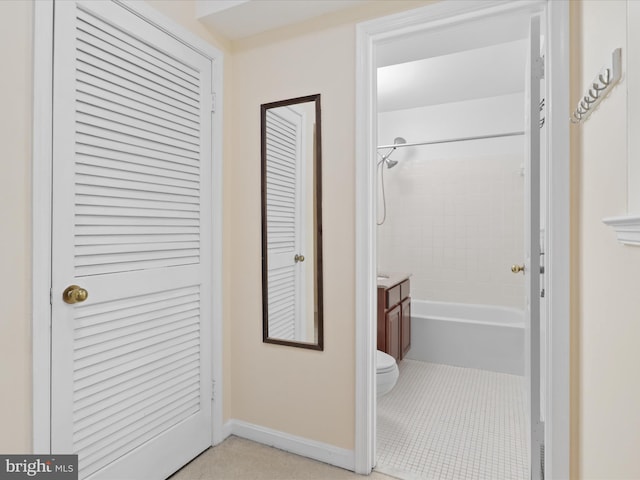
x: 393, y: 163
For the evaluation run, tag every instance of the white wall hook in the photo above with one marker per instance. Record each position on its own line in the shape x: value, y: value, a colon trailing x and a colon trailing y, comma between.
x: 600, y: 87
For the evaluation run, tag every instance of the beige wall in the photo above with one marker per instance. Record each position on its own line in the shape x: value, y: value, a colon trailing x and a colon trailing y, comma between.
x: 319, y: 397
x: 15, y: 226
x: 607, y: 317
x: 298, y: 391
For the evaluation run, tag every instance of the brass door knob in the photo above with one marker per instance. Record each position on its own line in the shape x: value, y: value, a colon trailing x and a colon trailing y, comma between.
x: 298, y: 258
x: 74, y: 294
x: 517, y: 268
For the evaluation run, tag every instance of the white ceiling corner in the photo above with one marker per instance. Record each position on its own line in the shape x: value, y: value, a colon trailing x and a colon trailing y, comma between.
x: 237, y: 19
x: 209, y: 7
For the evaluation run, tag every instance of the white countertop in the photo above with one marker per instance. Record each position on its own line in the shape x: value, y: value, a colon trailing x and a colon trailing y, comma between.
x: 388, y: 280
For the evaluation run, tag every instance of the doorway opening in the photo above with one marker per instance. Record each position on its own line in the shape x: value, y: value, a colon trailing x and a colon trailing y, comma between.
x: 452, y: 88
x: 451, y: 202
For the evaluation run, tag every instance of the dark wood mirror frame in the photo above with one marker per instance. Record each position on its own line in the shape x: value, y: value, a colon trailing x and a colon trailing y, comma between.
x: 318, y: 344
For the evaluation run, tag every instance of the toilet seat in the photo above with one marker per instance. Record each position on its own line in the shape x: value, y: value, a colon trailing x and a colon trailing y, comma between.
x: 384, y: 362
x: 386, y: 373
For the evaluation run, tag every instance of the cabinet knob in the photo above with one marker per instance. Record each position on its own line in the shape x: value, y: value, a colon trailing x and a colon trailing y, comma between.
x: 298, y: 258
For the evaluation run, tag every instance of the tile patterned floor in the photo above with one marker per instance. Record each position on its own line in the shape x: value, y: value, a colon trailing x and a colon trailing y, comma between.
x: 451, y: 423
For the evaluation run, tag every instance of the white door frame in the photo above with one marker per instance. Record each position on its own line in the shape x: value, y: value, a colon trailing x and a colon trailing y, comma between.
x: 41, y: 211
x: 368, y: 35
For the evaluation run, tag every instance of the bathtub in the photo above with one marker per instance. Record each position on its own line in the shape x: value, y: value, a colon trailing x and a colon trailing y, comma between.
x: 473, y: 336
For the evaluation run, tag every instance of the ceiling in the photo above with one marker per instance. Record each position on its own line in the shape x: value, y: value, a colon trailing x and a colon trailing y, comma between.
x: 468, y: 75
x: 237, y: 19
x: 448, y: 39
x: 466, y: 61
x: 460, y: 62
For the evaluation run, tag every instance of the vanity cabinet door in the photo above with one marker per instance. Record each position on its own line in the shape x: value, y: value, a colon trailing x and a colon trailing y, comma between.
x: 394, y: 319
x: 405, y: 327
x: 393, y: 322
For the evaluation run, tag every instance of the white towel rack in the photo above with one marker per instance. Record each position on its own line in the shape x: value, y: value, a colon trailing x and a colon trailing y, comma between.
x: 600, y: 87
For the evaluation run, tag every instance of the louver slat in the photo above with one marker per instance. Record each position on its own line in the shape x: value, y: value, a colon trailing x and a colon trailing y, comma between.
x: 126, y: 191
x: 112, y: 239
x: 98, y: 182
x: 141, y: 203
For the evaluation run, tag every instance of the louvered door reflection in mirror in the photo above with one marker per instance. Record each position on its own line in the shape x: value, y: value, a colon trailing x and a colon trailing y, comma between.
x: 291, y: 223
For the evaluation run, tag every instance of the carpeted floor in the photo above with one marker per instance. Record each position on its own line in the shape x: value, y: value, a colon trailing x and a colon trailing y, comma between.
x: 240, y: 459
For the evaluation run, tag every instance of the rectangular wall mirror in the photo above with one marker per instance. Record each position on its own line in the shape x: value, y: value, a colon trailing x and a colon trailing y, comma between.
x: 292, y: 223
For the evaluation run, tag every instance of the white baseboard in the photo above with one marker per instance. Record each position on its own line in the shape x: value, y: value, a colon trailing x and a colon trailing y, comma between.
x: 323, y: 452
x: 226, y: 430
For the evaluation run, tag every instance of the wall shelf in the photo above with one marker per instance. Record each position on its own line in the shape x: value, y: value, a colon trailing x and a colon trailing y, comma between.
x: 627, y: 228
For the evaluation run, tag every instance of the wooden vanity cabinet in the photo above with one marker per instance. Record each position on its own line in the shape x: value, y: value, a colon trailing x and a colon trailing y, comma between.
x: 405, y: 327
x: 394, y: 319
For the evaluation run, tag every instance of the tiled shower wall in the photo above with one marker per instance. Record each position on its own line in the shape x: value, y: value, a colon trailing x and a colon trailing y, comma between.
x: 455, y: 211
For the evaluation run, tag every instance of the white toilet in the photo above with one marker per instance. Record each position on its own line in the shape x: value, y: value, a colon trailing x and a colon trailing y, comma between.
x: 386, y: 373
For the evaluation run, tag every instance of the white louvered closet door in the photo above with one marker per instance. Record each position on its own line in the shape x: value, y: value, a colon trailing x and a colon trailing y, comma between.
x: 284, y: 137
x: 131, y: 365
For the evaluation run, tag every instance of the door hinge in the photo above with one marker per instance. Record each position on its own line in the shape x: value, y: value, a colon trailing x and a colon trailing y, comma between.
x: 213, y: 103
x: 51, y: 296
x: 213, y: 390
x: 542, y: 461
x: 538, y: 67
x: 539, y: 440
